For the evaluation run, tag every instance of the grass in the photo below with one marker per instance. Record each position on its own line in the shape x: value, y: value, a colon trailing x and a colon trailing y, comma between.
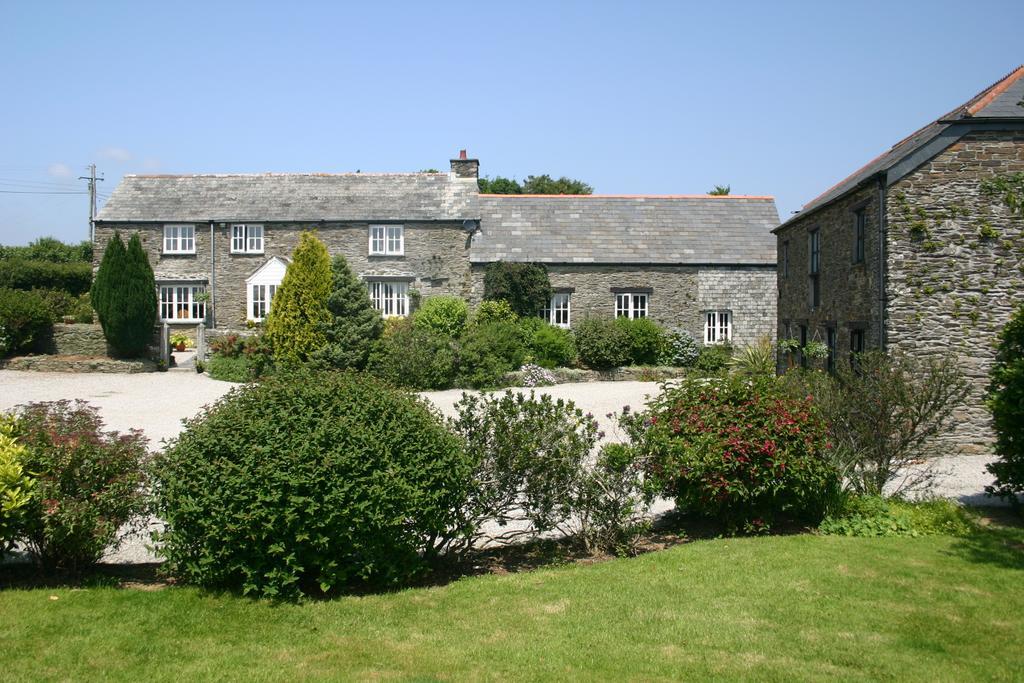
x: 778, y: 608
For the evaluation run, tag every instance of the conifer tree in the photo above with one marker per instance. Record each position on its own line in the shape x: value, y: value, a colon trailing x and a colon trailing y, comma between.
x: 298, y: 319
x: 354, y: 324
x: 127, y: 303
x: 113, y: 262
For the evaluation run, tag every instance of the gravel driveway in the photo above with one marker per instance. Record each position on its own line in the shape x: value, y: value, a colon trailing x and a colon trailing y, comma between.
x: 156, y: 403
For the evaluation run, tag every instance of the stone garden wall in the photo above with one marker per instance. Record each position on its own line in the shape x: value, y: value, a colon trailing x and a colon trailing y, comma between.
x: 75, y: 340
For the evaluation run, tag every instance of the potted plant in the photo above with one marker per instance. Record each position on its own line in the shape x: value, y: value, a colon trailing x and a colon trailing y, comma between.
x: 179, y: 341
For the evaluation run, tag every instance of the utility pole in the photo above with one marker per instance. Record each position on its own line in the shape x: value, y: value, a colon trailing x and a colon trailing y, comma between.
x: 92, y: 199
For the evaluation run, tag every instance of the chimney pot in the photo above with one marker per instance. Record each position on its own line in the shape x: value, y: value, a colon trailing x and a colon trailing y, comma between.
x: 462, y: 154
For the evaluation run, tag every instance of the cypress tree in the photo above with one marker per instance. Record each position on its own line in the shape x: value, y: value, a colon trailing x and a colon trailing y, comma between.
x: 127, y: 307
x: 113, y: 263
x: 298, y: 319
x: 354, y: 325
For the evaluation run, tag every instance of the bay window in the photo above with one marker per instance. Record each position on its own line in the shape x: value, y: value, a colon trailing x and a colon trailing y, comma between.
x: 182, y: 303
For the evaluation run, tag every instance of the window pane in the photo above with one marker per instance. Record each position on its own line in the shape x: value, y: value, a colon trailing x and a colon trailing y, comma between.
x: 255, y: 238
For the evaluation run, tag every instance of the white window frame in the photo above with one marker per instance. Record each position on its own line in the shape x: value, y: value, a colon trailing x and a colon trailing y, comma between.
x: 246, y: 238
x: 175, y: 297
x: 632, y: 304
x: 558, y: 311
x: 259, y: 297
x: 179, y: 238
x: 717, y: 327
x: 386, y: 240
x: 390, y: 297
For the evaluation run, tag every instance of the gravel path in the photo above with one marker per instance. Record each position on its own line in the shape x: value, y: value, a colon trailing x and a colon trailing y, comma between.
x: 156, y: 403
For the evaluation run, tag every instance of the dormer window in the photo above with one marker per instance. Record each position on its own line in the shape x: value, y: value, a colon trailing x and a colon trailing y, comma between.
x: 387, y: 240
x: 246, y: 238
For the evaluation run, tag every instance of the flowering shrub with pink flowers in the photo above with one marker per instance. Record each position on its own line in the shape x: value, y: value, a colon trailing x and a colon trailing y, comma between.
x: 737, y: 450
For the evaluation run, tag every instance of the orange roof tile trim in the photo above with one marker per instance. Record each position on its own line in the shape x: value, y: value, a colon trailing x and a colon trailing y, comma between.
x: 633, y: 196
x: 995, y: 91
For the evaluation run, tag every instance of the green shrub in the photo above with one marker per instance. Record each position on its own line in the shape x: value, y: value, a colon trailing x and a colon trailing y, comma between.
x: 1006, y: 402
x: 65, y: 305
x: 487, y: 352
x: 680, y: 350
x: 297, y: 323
x: 49, y: 249
x: 443, y: 315
x: 89, y: 483
x: 736, y: 450
x: 25, y: 318
x: 354, y: 325
x: 494, y: 312
x: 229, y: 368
x: 714, y: 359
x: 877, y: 516
x: 644, y: 338
x: 301, y: 485
x: 74, y: 278
x: 552, y: 347
x: 525, y: 286
x: 601, y: 343
x: 125, y: 297
x: 414, y: 358
x: 16, y: 486
x: 756, y: 360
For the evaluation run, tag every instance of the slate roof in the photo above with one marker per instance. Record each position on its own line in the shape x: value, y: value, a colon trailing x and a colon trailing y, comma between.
x: 699, y: 229
x: 1001, y: 100
x: 292, y: 197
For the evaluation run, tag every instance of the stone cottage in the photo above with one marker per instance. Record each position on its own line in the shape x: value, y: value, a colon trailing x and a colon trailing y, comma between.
x: 219, y: 245
x: 909, y: 254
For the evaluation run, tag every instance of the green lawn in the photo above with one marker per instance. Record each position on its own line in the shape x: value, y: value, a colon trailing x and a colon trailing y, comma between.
x: 781, y: 608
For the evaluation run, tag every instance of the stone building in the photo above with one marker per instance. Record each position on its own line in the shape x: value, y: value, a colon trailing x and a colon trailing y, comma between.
x: 219, y: 245
x: 909, y: 254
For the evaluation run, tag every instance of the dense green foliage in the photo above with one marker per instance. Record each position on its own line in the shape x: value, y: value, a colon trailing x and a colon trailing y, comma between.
x: 601, y: 343
x: 488, y: 351
x: 443, y: 315
x: 680, y: 349
x: 645, y: 340
x: 66, y: 306
x: 75, y: 277
x: 114, y: 260
x: 499, y: 185
x: 877, y: 516
x: 301, y: 485
x: 1006, y: 402
x: 549, y: 346
x: 16, y: 486
x: 714, y: 358
x: 127, y: 306
x: 229, y: 369
x: 497, y: 311
x: 88, y: 483
x: 354, y: 323
x: 25, y: 317
x: 407, y: 356
x: 720, y: 190
x: 525, y: 286
x: 739, y: 451
x: 296, y: 326
x: 542, y: 184
x: 755, y: 360
x: 49, y: 249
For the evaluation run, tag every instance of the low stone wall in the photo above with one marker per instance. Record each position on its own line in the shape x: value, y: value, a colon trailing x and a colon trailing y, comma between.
x: 624, y: 374
x: 75, y: 340
x: 79, y: 363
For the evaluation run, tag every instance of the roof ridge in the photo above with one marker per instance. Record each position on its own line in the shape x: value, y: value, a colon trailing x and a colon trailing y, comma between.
x: 985, y: 97
x: 274, y: 174
x: 631, y: 196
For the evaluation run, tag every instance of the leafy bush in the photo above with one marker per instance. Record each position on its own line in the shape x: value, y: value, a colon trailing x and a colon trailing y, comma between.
x: 16, y: 486
x: 552, y: 347
x: 735, y: 450
x: 876, y: 516
x: 300, y: 485
x: 494, y: 312
x: 25, y: 317
x: 297, y: 322
x: 1006, y: 402
x: 229, y: 368
x: 65, y: 305
x: 525, y: 286
x: 89, y: 482
x: 443, y: 315
x: 714, y: 359
x: 354, y: 323
x: 644, y: 338
x: 601, y: 344
x: 124, y: 295
x: 756, y: 360
x: 49, y: 249
x: 612, y: 502
x: 415, y: 358
x: 74, y: 278
x: 882, y: 417
x: 487, y: 352
x: 680, y: 350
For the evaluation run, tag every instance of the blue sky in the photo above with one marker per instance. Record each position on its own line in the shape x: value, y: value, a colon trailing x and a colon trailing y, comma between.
x: 779, y: 98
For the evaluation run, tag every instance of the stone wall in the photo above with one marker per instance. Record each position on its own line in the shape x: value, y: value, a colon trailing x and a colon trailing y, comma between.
x: 436, y: 258
x: 849, y: 291
x: 75, y: 340
x: 956, y: 268
x: 747, y: 292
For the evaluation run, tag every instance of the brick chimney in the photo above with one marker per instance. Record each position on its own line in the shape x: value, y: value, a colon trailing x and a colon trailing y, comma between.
x: 464, y: 167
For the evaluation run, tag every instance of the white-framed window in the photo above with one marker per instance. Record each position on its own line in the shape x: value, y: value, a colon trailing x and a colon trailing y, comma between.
x: 717, y: 327
x: 260, y: 297
x: 390, y: 297
x: 631, y: 305
x: 246, y: 238
x: 388, y: 240
x: 558, y: 310
x: 179, y: 239
x: 181, y: 303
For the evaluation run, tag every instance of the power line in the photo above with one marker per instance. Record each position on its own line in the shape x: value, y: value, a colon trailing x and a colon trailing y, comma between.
x: 41, y: 192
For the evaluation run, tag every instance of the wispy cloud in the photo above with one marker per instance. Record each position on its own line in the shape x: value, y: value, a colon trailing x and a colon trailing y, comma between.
x: 118, y: 154
x: 59, y: 170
